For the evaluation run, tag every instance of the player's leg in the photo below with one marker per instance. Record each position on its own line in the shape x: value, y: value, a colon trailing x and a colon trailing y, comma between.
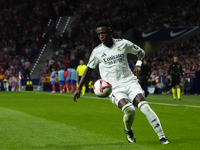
x: 73, y: 85
x: 53, y: 86
x: 142, y: 83
x: 178, y: 89
x: 83, y: 90
x: 5, y: 84
x: 142, y: 104
x: 174, y: 93
x: 68, y: 86
x: 64, y: 86
x: 129, y: 113
x: 145, y: 87
x: 174, y: 88
x: 61, y: 84
x: 129, y: 116
x: 83, y: 87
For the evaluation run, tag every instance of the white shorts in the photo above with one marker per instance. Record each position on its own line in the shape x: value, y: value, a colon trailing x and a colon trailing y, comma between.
x: 127, y: 91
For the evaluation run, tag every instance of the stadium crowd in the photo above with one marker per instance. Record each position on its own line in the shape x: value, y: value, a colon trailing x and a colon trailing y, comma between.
x: 23, y: 30
x: 22, y: 25
x: 188, y: 52
x: 124, y: 15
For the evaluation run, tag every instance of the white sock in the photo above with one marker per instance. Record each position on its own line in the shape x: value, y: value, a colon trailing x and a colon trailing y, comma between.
x: 129, y: 116
x: 152, y: 118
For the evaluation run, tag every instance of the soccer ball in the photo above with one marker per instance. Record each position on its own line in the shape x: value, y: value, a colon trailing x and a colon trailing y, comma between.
x: 102, y: 88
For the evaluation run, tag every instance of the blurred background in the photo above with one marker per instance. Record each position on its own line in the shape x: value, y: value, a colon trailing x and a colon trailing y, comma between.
x: 38, y: 35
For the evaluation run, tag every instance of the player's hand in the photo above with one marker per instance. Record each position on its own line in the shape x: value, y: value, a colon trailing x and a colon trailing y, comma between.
x: 77, y: 94
x: 137, y: 71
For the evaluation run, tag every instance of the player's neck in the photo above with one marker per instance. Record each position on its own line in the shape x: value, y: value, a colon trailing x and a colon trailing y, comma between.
x: 109, y: 43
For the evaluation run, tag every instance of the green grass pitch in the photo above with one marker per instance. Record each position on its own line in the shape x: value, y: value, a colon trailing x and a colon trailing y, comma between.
x: 46, y: 121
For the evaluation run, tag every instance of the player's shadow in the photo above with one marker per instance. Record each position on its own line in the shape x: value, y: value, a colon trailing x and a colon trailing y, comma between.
x: 81, y: 146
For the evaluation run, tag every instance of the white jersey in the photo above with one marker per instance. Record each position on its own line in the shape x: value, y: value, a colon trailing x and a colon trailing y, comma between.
x: 113, y: 64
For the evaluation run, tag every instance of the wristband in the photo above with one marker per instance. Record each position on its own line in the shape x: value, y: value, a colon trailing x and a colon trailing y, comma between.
x: 138, y: 63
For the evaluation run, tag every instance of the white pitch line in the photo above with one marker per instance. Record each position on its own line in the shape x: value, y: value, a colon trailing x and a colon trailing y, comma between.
x: 91, y: 97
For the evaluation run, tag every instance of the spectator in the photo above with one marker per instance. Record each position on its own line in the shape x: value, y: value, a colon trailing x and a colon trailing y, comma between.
x: 27, y: 66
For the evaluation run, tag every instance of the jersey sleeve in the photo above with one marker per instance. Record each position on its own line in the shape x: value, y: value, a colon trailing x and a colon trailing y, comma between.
x: 132, y: 48
x: 93, y: 61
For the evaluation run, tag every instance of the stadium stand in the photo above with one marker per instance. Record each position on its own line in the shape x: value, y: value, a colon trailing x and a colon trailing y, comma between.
x: 23, y: 23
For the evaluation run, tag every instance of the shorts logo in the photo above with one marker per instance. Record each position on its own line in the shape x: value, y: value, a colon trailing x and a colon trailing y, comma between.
x: 119, y: 48
x: 103, y: 55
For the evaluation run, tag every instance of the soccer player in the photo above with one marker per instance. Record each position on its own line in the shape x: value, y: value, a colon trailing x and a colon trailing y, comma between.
x: 145, y: 72
x: 111, y: 55
x: 81, y: 68
x: 67, y: 79
x: 74, y: 79
x: 53, y: 80
x: 61, y: 78
x: 5, y: 81
x: 175, y: 70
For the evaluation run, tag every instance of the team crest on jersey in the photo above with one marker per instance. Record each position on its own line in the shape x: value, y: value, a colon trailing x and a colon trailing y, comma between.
x: 119, y: 48
x: 178, y: 66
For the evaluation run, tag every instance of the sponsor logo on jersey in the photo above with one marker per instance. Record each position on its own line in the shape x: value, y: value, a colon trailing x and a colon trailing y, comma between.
x: 113, y: 59
x: 103, y: 55
x: 119, y: 48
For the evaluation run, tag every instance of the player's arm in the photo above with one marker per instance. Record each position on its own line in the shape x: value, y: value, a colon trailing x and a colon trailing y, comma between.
x: 149, y: 71
x: 137, y: 69
x: 181, y: 71
x: 84, y: 77
x: 54, y: 75
x: 77, y: 76
x: 170, y: 68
